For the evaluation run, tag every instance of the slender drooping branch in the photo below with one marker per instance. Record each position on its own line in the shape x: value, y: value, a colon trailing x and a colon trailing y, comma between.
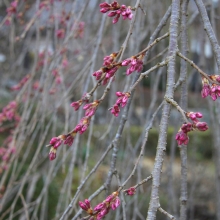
x: 161, y: 147
x: 166, y: 213
x: 208, y: 28
x: 197, y: 68
x: 183, y: 104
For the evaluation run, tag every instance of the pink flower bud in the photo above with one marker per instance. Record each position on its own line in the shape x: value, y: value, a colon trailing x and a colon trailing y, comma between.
x: 126, y: 62
x: 115, y: 20
x: 119, y: 94
x: 98, y: 74
x: 214, y: 96
x: 83, y: 129
x: 104, y: 5
x: 186, y: 127
x: 116, y: 203
x: 202, y: 126
x: 99, y: 207
x: 76, y: 105
x: 111, y: 72
x: 131, y: 191
x: 109, y: 198
x: 198, y: 115
x: 182, y: 138
x: 52, y: 154
x: 104, y: 10
x: 69, y: 140
x: 115, y: 5
x: 205, y: 90
x: 87, y: 106
x: 87, y: 202
x: 53, y: 140
x: 115, y: 110
x: 83, y: 206
x: 112, y: 13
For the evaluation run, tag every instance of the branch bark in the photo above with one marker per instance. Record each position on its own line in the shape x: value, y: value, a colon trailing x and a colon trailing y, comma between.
x: 161, y: 147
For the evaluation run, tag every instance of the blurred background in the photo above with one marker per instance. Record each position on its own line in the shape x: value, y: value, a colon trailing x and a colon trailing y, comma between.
x: 48, y: 52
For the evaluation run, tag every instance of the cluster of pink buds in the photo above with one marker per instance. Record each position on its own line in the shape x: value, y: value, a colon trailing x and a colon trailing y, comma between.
x: 99, y: 73
x: 68, y: 139
x: 9, y: 112
x: 108, y: 74
x: 86, y: 206
x: 21, y: 83
x: 83, y: 125
x: 182, y: 135
x: 135, y: 64
x: 103, y: 208
x: 213, y: 90
x: 131, y: 191
x: 109, y: 60
x: 78, y: 103
x: 11, y: 10
x: 108, y: 70
x: 115, y: 10
x: 91, y: 108
x: 55, y: 142
x: 121, y: 102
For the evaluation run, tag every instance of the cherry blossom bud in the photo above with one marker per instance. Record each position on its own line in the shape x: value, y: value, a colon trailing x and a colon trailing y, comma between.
x: 98, y: 74
x: 104, y: 5
x: 131, y: 191
x: 109, y: 198
x: 70, y: 138
x: 104, y: 10
x: 202, y: 126
x: 76, y: 105
x: 56, y: 142
x: 83, y: 206
x: 126, y: 62
x: 198, y: 115
x: 87, y: 202
x: 186, y: 127
x: 213, y: 96
x: 103, y: 213
x: 115, y: 110
x: 115, y: 20
x: 119, y: 93
x: 100, y: 206
x: 116, y: 203
x: 111, y: 72
x: 205, y: 90
x: 182, y: 138
x: 52, y: 154
x: 112, y: 13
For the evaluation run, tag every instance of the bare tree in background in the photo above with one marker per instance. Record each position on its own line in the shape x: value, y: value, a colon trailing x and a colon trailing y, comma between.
x: 93, y: 82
